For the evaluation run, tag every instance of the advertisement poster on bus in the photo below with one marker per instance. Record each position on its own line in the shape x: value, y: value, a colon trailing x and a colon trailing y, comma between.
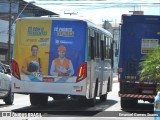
x: 50, y: 51
x: 68, y: 42
x: 32, y: 43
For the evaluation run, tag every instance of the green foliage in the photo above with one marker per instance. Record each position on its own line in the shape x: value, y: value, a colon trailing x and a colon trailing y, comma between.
x: 158, y: 88
x: 150, y: 66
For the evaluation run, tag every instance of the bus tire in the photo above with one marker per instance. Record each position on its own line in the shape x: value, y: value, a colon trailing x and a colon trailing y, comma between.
x: 34, y: 99
x: 91, y: 102
x: 43, y: 100
x: 128, y: 103
x: 103, y: 97
x: 60, y: 97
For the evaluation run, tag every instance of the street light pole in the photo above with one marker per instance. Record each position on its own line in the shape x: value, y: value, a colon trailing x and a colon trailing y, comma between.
x: 10, y: 26
x: 23, y: 10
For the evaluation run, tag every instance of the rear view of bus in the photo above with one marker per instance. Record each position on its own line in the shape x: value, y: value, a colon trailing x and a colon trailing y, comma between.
x: 62, y: 58
x: 49, y: 58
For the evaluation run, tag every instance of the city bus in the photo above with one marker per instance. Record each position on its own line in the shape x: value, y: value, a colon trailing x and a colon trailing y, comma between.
x: 63, y: 58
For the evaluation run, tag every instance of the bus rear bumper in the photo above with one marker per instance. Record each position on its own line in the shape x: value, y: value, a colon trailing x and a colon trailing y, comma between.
x: 25, y: 87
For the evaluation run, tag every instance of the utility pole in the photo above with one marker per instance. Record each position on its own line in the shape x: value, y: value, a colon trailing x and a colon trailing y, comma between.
x: 10, y: 27
x: 10, y: 31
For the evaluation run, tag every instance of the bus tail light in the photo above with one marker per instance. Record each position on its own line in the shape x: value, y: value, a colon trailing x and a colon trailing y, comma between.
x: 15, y: 70
x: 82, y: 72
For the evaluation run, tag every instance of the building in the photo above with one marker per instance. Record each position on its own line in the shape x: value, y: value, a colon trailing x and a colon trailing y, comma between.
x: 114, y: 29
x: 9, y: 12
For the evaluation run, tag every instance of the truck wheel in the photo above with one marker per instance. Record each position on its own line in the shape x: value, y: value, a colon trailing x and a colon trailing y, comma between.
x: 34, y: 99
x: 128, y: 103
x: 103, y: 97
x: 9, y: 99
x: 60, y: 97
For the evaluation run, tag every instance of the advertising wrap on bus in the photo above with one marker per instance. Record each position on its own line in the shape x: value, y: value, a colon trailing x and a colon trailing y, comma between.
x: 50, y: 51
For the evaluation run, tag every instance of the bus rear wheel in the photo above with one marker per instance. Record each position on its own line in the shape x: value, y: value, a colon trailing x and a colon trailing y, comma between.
x: 91, y: 102
x: 103, y: 97
x: 43, y: 100
x: 34, y: 99
x: 60, y: 97
x: 38, y: 99
x: 87, y: 102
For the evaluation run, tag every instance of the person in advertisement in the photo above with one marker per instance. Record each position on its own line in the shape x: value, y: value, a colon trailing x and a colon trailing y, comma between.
x: 61, y: 66
x: 32, y: 63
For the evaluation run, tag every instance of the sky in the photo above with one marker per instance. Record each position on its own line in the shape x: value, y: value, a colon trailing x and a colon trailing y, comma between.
x: 98, y: 11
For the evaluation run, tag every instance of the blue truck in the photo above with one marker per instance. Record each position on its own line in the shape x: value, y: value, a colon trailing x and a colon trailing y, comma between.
x: 139, y: 35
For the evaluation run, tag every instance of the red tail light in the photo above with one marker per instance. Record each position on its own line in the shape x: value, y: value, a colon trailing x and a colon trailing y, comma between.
x: 15, y: 70
x: 82, y: 72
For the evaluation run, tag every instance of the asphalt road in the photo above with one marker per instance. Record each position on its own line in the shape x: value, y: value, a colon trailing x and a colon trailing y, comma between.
x: 73, y: 110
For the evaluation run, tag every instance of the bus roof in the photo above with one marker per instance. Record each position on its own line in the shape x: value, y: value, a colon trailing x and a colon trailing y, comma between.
x: 89, y: 23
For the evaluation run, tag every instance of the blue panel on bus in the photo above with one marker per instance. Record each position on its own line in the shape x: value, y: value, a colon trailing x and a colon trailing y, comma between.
x: 68, y: 38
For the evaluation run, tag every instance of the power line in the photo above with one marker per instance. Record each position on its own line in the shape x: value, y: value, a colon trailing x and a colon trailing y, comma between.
x: 98, y: 5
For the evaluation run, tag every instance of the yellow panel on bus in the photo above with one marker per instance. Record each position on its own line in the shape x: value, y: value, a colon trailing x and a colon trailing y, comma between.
x: 33, y: 39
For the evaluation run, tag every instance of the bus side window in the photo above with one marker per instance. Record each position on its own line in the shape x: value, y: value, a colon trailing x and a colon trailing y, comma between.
x: 95, y: 43
x: 89, y: 46
x: 108, y: 48
x: 102, y: 47
x: 98, y: 45
x: 91, y: 43
x: 92, y: 48
x: 112, y: 52
x: 105, y: 47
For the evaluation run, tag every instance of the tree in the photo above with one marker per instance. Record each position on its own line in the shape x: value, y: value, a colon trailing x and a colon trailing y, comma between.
x: 150, y: 66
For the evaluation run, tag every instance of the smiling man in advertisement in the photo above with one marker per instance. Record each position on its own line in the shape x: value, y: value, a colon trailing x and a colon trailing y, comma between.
x: 32, y: 63
x: 61, y: 66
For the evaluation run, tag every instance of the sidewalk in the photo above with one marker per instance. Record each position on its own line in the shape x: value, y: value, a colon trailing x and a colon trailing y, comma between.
x: 115, y: 77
